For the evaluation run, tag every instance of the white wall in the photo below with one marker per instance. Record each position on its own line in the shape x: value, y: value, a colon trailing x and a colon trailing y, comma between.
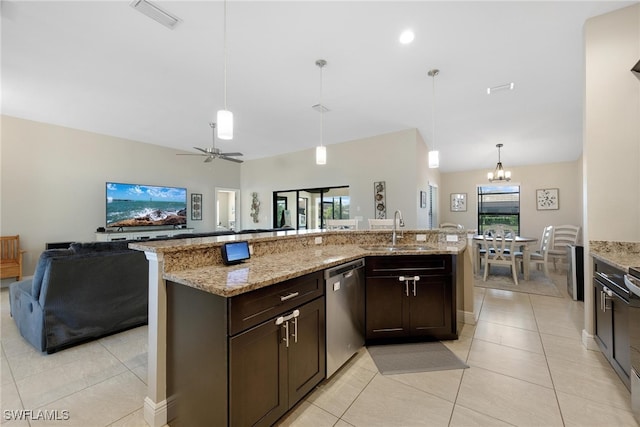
x: 611, y: 147
x: 612, y: 126
x: 53, y: 181
x: 394, y: 158
x: 565, y: 176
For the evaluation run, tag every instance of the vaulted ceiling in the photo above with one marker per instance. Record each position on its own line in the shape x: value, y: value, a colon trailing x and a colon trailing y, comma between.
x: 104, y: 67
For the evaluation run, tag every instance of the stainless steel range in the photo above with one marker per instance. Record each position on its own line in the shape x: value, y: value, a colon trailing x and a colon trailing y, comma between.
x: 632, y: 281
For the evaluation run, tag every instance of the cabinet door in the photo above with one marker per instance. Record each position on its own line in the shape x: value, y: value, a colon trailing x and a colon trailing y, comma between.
x: 306, y: 353
x: 430, y: 307
x: 385, y: 308
x: 257, y: 376
x: 621, y: 354
x: 603, y: 319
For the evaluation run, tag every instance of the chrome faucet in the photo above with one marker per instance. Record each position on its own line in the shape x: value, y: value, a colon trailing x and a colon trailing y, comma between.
x: 395, y: 221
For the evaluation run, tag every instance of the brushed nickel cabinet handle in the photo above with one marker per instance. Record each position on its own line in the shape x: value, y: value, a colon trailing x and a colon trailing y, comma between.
x: 291, y: 295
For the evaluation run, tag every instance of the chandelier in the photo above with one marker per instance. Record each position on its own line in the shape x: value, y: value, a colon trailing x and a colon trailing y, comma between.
x: 499, y: 174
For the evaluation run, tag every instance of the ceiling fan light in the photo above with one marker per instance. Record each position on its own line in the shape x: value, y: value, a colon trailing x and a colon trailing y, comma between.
x: 321, y: 155
x: 434, y: 159
x: 225, y: 124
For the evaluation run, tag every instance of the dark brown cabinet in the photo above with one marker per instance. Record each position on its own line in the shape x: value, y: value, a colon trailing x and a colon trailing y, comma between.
x: 612, y: 317
x: 244, y: 360
x: 275, y: 364
x: 410, y: 298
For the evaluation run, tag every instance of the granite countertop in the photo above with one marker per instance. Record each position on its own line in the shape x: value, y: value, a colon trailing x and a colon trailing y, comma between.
x: 269, y: 269
x: 619, y: 254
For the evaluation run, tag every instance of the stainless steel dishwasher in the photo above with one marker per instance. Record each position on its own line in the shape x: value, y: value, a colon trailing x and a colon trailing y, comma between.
x: 344, y: 312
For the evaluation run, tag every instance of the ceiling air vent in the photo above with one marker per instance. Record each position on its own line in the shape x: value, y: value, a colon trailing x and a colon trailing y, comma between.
x: 156, y: 13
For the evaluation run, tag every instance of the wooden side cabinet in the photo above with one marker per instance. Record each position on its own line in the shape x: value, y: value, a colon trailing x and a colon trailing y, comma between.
x: 244, y: 360
x: 410, y: 298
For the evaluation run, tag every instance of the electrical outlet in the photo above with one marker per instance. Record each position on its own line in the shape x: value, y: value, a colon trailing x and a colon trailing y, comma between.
x: 318, y: 240
x: 421, y: 237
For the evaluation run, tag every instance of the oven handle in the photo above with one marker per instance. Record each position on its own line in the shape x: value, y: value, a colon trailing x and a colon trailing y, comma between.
x: 631, y: 285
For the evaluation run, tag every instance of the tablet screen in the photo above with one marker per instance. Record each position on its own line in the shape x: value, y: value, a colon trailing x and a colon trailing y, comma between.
x: 235, y: 252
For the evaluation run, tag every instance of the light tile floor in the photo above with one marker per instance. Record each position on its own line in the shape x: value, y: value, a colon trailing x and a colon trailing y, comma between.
x: 527, y: 368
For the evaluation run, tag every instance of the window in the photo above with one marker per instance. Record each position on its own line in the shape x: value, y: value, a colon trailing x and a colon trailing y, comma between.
x: 310, y: 207
x: 499, y: 205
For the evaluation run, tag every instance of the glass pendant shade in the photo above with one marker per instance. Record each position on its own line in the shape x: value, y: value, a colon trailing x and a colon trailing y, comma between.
x: 321, y: 155
x: 434, y: 159
x: 225, y: 124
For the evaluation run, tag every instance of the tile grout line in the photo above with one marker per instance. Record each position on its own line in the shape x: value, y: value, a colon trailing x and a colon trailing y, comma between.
x: 546, y: 361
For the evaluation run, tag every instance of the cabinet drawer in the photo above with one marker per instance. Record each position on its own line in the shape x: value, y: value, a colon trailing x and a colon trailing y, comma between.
x: 422, y: 265
x: 254, y: 307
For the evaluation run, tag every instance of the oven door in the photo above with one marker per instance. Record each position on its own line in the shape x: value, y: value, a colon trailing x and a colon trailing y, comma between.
x: 633, y: 284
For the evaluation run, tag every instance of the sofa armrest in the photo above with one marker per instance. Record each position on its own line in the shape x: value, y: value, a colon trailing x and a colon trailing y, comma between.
x: 27, y: 313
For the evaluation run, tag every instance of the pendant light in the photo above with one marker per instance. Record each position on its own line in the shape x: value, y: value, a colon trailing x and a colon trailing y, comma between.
x: 434, y: 155
x: 321, y: 150
x: 225, y: 117
x: 499, y: 175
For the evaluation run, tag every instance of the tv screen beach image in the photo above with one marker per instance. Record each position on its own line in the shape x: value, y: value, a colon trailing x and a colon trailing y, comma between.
x: 136, y: 205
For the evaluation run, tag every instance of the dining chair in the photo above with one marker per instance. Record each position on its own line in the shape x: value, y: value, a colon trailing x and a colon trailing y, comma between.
x: 342, y: 224
x: 563, y: 236
x: 380, y: 224
x: 499, y: 243
x: 541, y: 256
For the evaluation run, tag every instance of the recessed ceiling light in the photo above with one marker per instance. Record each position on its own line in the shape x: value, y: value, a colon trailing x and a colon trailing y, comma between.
x: 407, y: 36
x: 508, y: 86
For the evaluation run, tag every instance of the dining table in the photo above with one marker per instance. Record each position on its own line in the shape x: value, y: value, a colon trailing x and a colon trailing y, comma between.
x: 522, y: 242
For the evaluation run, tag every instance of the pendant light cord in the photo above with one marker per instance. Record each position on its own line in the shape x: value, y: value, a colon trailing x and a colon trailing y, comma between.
x: 321, y: 110
x: 225, y: 54
x: 433, y: 114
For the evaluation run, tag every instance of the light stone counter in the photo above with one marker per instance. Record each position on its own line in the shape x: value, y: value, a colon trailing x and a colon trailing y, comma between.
x: 266, y: 270
x: 282, y: 255
x: 619, y: 254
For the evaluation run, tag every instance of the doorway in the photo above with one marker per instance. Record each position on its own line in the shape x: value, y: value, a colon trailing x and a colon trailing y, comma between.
x: 227, y: 214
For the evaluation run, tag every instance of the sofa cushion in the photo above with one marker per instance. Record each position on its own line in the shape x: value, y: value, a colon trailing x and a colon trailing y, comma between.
x: 41, y: 268
x: 84, y: 248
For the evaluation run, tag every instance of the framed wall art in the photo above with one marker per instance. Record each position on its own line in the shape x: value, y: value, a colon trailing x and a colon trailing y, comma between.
x: 458, y: 202
x: 379, y: 199
x: 196, y: 207
x: 547, y: 199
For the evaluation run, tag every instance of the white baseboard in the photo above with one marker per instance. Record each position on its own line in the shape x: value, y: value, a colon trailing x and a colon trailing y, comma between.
x: 469, y: 317
x: 155, y: 414
x: 589, y: 341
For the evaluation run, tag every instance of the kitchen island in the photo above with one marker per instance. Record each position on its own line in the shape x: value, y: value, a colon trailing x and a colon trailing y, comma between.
x: 194, y: 266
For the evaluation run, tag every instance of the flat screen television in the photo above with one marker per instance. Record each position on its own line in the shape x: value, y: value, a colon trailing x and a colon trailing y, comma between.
x: 137, y: 205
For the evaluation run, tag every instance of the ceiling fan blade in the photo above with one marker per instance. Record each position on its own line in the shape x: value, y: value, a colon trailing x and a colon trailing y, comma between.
x: 202, y: 149
x: 231, y: 154
x: 189, y: 154
x: 231, y: 159
x: 208, y: 159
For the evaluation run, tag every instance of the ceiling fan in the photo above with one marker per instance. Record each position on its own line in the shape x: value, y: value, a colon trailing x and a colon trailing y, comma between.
x: 213, y: 152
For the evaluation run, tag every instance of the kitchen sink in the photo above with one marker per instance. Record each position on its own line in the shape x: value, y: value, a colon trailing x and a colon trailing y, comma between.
x: 397, y: 248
